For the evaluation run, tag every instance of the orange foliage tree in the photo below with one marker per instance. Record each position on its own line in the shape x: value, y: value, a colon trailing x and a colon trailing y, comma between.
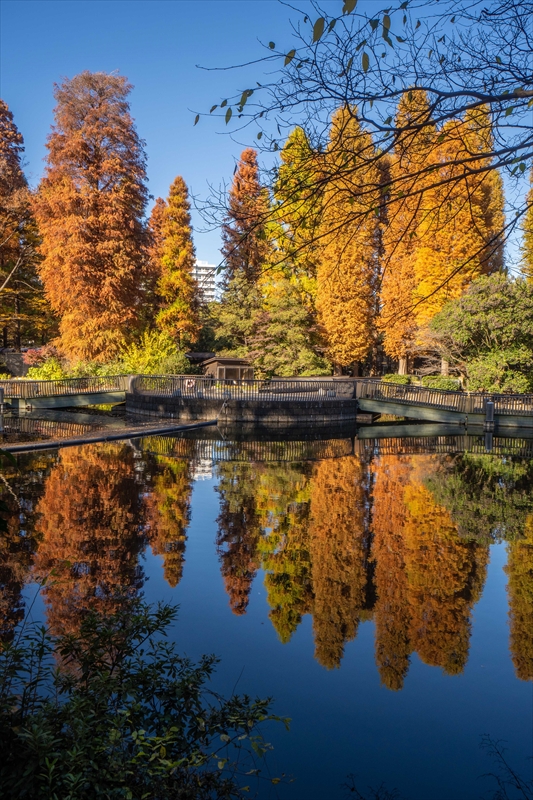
x: 244, y: 235
x: 179, y: 315
x: 90, y: 208
x: 348, y: 267
x: 91, y: 531
x: 338, y: 545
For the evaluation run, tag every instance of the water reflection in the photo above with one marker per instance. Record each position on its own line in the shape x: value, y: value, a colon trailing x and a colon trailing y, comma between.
x: 343, y: 529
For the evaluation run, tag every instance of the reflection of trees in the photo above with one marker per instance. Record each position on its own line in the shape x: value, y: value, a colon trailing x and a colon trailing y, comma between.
x: 427, y: 577
x: 91, y: 533
x: 446, y: 575
x: 168, y: 513
x: 283, y: 505
x: 391, y: 614
x: 520, y: 592
x: 488, y: 498
x: 238, y: 531
x: 338, y: 548
x: 19, y: 543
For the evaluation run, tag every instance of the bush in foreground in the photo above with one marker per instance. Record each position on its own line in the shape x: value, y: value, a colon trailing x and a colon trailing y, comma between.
x: 123, y: 716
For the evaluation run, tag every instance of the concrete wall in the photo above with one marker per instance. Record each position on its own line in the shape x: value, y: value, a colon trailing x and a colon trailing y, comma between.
x: 250, y: 411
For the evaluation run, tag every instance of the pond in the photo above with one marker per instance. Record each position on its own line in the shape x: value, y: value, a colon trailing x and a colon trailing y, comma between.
x: 381, y: 592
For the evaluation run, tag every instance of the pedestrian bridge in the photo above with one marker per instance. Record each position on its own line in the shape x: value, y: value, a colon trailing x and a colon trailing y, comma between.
x: 435, y: 405
x: 300, y: 401
x: 27, y: 395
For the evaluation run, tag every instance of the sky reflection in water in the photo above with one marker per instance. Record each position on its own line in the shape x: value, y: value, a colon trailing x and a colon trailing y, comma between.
x: 369, y: 593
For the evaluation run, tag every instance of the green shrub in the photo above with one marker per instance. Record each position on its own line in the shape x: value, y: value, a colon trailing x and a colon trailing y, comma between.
x: 155, y: 354
x: 124, y: 716
x: 50, y: 370
x: 403, y: 380
x: 441, y: 382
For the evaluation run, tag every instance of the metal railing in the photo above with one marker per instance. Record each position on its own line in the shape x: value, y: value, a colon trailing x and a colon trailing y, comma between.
x: 29, y: 389
x: 192, y: 386
x: 463, y: 402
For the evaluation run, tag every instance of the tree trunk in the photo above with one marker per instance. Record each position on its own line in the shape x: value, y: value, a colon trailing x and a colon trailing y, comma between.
x: 444, y: 367
x: 4, y: 336
x: 402, y: 366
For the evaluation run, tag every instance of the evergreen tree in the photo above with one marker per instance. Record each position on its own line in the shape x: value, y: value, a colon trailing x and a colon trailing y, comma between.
x: 24, y: 313
x: 347, y: 275
x: 283, y: 338
x: 179, y: 316
x: 245, y: 241
x: 90, y: 207
x: 407, y: 207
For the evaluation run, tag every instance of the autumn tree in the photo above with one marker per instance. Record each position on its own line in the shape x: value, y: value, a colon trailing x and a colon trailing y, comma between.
x: 413, y: 152
x: 460, y: 235
x: 338, y: 546
x: 168, y: 506
x: 179, y: 315
x: 92, y: 530
x: 245, y: 239
x: 24, y: 313
x: 519, y: 571
x: 90, y: 207
x: 152, y: 300
x: 297, y: 211
x: 347, y: 274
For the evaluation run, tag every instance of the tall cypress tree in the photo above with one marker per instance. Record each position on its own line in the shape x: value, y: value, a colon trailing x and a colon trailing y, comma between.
x: 179, y: 316
x: 414, y: 150
x: 90, y: 209
x: 244, y: 235
x: 347, y: 275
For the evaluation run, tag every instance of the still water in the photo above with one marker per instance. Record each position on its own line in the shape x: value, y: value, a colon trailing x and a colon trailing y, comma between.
x: 380, y: 593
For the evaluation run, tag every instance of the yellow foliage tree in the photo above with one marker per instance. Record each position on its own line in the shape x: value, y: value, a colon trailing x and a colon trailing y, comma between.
x: 460, y: 233
x: 179, y: 316
x: 527, y: 243
x: 347, y: 273
x: 412, y: 157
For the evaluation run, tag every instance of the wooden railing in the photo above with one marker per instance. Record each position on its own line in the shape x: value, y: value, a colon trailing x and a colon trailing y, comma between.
x: 192, y: 386
x: 66, y: 386
x: 45, y: 428
x: 463, y: 402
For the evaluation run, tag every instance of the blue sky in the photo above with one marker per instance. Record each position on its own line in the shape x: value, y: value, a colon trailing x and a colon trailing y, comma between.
x: 157, y: 45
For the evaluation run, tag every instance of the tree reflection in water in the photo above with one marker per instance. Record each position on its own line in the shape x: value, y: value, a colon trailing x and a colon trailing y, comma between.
x: 400, y: 539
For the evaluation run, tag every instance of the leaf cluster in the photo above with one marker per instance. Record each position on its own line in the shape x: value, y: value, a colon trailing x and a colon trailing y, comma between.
x: 124, y: 716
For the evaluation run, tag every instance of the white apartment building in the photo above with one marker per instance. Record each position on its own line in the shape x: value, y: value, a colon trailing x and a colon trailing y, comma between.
x: 204, y: 274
